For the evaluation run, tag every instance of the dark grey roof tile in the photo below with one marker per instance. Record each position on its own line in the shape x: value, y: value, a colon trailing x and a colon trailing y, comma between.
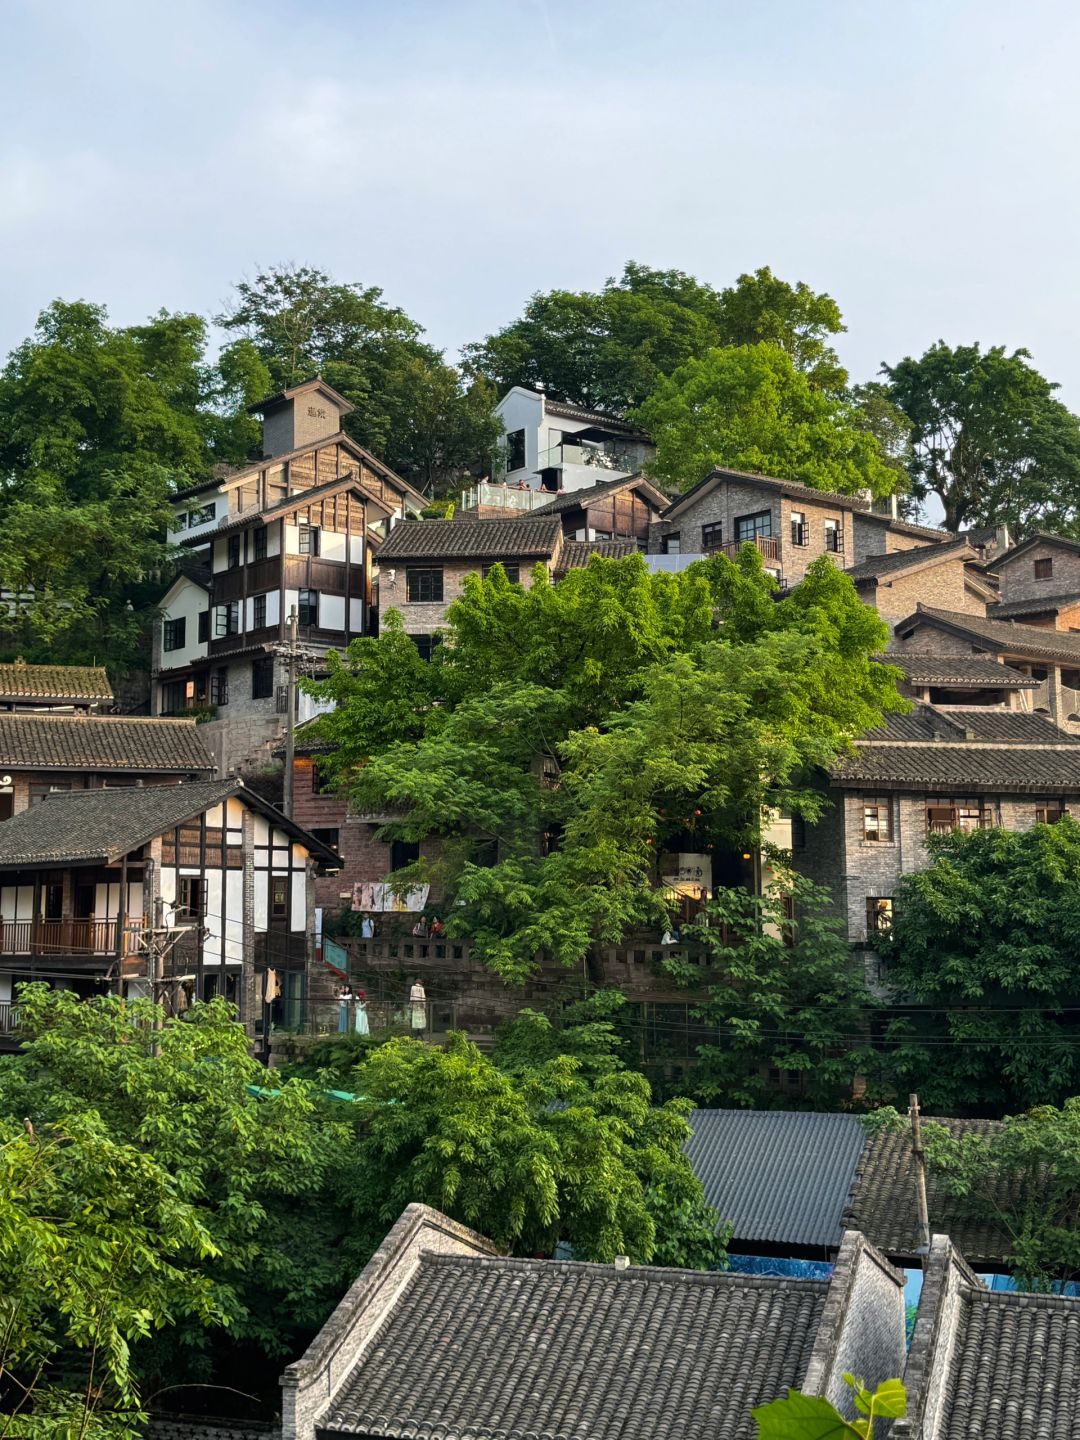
x: 19, y: 681
x: 101, y: 742
x: 965, y: 671
x: 965, y: 767
x: 471, y: 540
x: 571, y: 499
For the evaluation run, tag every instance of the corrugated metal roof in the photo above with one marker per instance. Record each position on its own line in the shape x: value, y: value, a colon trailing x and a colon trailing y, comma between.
x: 777, y: 1175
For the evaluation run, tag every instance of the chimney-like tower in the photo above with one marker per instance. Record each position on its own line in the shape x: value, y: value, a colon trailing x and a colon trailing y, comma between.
x: 300, y: 416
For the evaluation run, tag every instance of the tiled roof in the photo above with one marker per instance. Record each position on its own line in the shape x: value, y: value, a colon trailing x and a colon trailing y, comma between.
x: 980, y: 722
x: 100, y: 742
x: 334, y: 396
x: 471, y: 540
x: 925, y: 532
x: 884, y: 1206
x: 1003, y: 636
x: 522, y: 1349
x: 768, y: 482
x: 1014, y: 1370
x: 965, y: 671
x: 562, y: 411
x: 874, y: 567
x: 1039, y: 537
x: 19, y: 681
x: 86, y: 826
x: 777, y: 1176
x: 1033, y: 605
x: 575, y: 553
x: 571, y: 499
x: 964, y: 767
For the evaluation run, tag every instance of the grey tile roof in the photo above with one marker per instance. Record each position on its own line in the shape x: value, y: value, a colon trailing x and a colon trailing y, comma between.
x: 1038, y: 537
x: 965, y: 671
x: 86, y: 826
x: 1033, y: 605
x: 927, y: 532
x: 571, y: 499
x: 1014, y: 1371
x: 471, y: 540
x: 767, y: 482
x: 19, y: 681
x: 576, y: 553
x: 520, y: 1349
x: 883, y: 1203
x: 1002, y: 636
x: 965, y: 767
x: 980, y: 722
x: 101, y: 742
x: 874, y: 567
x: 779, y: 1176
x: 563, y: 411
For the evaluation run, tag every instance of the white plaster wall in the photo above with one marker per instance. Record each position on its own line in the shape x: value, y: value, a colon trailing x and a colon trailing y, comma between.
x: 356, y: 616
x: 522, y: 410
x: 332, y: 545
x: 184, y: 601
x: 331, y: 612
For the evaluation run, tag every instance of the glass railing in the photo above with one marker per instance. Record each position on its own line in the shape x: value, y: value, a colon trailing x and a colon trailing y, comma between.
x: 504, y: 497
x: 626, y: 458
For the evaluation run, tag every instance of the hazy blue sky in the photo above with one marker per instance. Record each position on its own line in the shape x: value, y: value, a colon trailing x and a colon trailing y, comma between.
x: 917, y: 160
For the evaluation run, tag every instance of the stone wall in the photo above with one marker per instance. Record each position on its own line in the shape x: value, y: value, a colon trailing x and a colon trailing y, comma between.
x: 422, y: 618
x: 947, y: 1280
x: 941, y: 586
x: 1018, y: 581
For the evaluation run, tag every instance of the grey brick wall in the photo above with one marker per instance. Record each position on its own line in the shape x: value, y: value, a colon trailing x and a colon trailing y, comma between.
x: 424, y: 618
x: 1017, y: 577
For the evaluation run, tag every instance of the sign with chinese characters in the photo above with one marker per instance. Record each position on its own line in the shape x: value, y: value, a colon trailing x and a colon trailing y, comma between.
x: 316, y: 412
x: 689, y: 874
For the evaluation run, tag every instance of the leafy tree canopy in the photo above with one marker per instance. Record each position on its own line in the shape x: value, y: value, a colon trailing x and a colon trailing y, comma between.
x: 988, y: 938
x: 414, y: 411
x: 749, y: 407
x: 565, y: 734
x: 609, y: 350
x: 990, y: 439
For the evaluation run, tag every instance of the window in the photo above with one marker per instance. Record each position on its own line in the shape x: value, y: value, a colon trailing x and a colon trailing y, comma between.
x: 424, y: 586
x: 879, y: 915
x: 328, y: 837
x: 232, y: 547
x: 425, y: 645
x: 227, y: 619
x: 258, y: 543
x: 1044, y: 569
x: 959, y: 815
x: 672, y: 545
x: 258, y: 612
x: 834, y: 537
x: 262, y: 678
x: 512, y: 572
x: 191, y: 898
x: 172, y: 697
x: 309, y: 540
x: 800, y: 531
x: 307, y: 608
x: 321, y: 782
x: 1049, y: 812
x: 219, y: 688
x: 204, y: 626
x: 402, y: 853
x: 279, y: 897
x: 173, y: 633
x: 712, y: 535
x: 798, y: 832
x: 877, y: 820
x: 753, y: 527
x: 515, y: 450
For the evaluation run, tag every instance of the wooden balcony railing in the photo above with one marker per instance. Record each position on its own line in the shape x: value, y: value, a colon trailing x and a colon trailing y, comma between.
x: 59, y: 937
x: 768, y: 547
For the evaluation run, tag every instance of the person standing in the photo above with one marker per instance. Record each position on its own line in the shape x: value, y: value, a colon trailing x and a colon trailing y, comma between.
x: 418, y: 1006
x: 360, y: 1019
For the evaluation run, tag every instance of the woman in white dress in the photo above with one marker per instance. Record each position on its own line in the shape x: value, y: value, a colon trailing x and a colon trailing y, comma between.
x: 361, y: 1017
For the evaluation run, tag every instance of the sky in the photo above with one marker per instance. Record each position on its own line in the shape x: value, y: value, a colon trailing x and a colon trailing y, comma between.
x: 916, y: 159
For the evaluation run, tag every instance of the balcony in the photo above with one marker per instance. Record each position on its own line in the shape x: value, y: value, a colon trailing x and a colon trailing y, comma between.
x: 63, y: 937
x: 504, y: 497
x: 768, y: 547
x: 614, y: 456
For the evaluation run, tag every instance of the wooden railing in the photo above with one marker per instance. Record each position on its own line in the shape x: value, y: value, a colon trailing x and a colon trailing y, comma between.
x: 768, y: 547
x: 57, y: 937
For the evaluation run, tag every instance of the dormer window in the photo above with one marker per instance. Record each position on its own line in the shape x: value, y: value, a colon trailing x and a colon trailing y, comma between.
x: 1044, y: 568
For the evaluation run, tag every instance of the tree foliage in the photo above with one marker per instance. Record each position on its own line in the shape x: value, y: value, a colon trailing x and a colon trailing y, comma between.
x: 990, y: 439
x: 987, y: 938
x: 609, y: 350
x: 418, y: 414
x: 566, y: 734
x: 750, y: 408
x: 812, y: 1417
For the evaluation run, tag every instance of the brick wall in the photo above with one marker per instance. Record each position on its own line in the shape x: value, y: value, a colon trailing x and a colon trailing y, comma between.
x: 942, y: 586
x: 1018, y: 581
x: 423, y: 618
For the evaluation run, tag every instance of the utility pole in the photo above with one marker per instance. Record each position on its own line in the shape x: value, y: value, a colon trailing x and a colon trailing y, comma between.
x: 919, y: 1156
x: 294, y: 656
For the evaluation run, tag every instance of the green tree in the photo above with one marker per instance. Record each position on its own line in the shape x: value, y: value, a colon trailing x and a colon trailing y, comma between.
x: 811, y: 1417
x: 990, y: 439
x: 97, y: 425
x: 782, y: 992
x: 750, y: 408
x: 418, y: 414
x: 609, y: 350
x: 987, y: 939
x: 530, y: 1160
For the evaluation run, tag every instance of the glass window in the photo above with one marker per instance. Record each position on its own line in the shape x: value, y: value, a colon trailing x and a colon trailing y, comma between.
x: 307, y: 608
x: 425, y: 645
x: 219, y: 688
x: 204, y: 626
x: 402, y: 853
x: 877, y: 820
x: 512, y: 572
x: 1049, y: 812
x: 424, y: 586
x: 227, y: 619
x: 258, y: 543
x: 515, y: 450
x: 753, y: 527
x: 279, y: 896
x: 233, y: 551
x: 309, y: 540
x: 834, y: 537
x: 672, y: 545
x: 327, y: 836
x: 173, y: 633
x: 321, y: 782
x: 879, y: 915
x: 191, y: 898
x: 262, y: 678
x: 712, y: 535
x: 258, y: 612
x: 800, y: 531
x: 1044, y: 568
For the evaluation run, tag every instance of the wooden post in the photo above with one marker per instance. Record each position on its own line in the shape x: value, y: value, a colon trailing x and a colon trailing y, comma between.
x: 919, y: 1157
